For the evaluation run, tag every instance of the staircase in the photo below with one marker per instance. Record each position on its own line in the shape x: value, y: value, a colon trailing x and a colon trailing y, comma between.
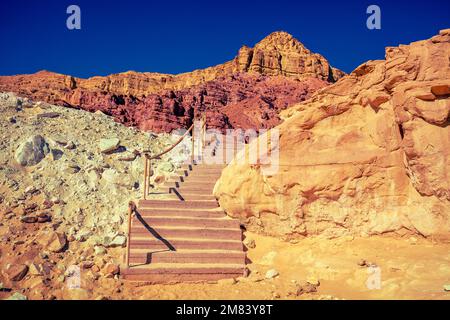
x: 185, y: 236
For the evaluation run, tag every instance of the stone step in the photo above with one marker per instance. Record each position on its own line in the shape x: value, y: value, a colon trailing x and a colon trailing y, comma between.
x: 197, y: 204
x: 188, y: 196
x: 164, y: 212
x: 222, y: 257
x: 179, y: 244
x: 139, y: 231
x: 195, y: 178
x: 218, y: 223
x: 167, y: 273
x: 189, y: 183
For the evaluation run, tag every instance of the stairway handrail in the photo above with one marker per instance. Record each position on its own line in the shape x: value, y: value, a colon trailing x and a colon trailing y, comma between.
x: 146, y: 152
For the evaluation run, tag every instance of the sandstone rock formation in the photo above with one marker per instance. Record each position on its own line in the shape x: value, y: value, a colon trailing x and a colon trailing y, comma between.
x: 277, y: 72
x: 367, y: 155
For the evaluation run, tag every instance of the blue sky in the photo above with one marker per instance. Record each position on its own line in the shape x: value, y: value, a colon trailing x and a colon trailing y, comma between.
x: 179, y: 36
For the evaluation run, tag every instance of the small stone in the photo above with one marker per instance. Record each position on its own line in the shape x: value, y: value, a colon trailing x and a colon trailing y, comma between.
x: 51, y: 115
x: 60, y: 140
x: 29, y: 219
x: 35, y: 269
x: 305, y: 287
x: 313, y: 280
x: 128, y: 156
x: 43, y: 217
x: 111, y: 269
x: 53, y: 241
x: 70, y: 145
x: 17, y: 296
x: 118, y: 241
x: 272, y: 273
x: 447, y: 287
x: 109, y: 145
x: 87, y: 264
x: 250, y: 243
x: 16, y: 272
x: 99, y: 250
x: 72, y: 168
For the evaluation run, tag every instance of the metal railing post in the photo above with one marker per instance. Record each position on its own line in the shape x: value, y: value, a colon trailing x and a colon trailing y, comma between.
x: 145, y: 176
x: 193, y: 146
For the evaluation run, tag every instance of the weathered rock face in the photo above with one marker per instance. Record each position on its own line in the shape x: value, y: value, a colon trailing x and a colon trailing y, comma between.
x: 367, y: 155
x: 281, y: 54
x: 278, y: 72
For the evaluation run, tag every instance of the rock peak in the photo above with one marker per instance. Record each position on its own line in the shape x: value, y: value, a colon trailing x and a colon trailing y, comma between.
x: 278, y: 37
x: 281, y: 54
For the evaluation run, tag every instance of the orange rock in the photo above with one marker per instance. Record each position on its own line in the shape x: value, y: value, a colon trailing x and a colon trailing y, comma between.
x: 53, y: 241
x: 111, y: 269
x: 367, y: 155
x: 15, y: 272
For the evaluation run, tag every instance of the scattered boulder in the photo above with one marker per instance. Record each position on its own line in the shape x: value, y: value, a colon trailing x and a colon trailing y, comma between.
x: 109, y: 145
x: 70, y: 145
x: 35, y: 269
x: 53, y: 241
x: 99, y: 250
x: 15, y: 272
x: 305, y: 287
x: 118, y: 241
x: 111, y: 269
x: 272, y: 273
x: 29, y: 219
x: 17, y: 296
x: 447, y: 287
x: 48, y: 115
x: 249, y: 243
x: 32, y: 151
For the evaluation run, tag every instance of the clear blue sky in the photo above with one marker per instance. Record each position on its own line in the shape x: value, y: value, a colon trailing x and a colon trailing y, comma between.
x: 179, y: 36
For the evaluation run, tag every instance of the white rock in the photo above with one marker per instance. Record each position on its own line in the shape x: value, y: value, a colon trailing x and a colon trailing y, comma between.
x: 272, y: 273
x: 109, y: 145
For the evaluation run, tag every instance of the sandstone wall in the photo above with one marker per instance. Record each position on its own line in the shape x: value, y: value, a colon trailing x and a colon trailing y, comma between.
x: 367, y: 155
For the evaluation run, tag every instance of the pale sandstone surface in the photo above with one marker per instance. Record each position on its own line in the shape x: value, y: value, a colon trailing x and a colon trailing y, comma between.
x: 368, y: 155
x: 333, y: 267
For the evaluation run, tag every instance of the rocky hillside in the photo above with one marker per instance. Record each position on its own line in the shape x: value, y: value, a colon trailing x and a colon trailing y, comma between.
x: 367, y: 155
x: 279, y: 71
x: 82, y: 167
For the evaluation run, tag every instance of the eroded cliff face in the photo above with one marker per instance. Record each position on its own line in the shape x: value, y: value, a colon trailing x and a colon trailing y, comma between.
x: 278, y: 72
x: 367, y: 155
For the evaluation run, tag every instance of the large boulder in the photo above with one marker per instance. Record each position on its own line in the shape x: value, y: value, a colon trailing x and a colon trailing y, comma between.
x: 32, y: 151
x: 367, y: 155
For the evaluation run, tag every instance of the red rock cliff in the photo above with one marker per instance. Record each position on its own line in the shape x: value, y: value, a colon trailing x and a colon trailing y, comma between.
x: 256, y: 85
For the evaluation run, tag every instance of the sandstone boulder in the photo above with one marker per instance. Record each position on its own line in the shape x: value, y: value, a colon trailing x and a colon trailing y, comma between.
x: 367, y: 155
x: 53, y: 241
x: 15, y: 272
